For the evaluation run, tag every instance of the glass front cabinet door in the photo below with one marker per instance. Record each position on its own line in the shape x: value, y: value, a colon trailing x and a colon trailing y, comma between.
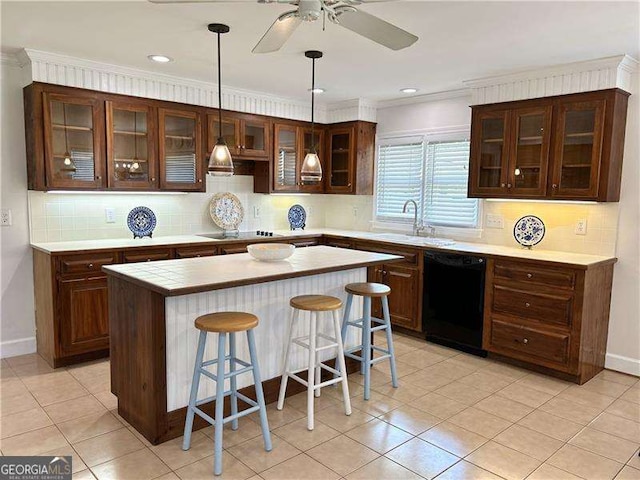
x: 74, y: 132
x: 255, y: 138
x: 490, y: 149
x: 230, y: 133
x: 132, y: 160
x: 529, y: 152
x: 341, y: 155
x: 577, y: 149
x: 181, y: 165
x: 285, y: 158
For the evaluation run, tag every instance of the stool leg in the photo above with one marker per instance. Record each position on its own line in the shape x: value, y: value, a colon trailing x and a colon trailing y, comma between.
x: 217, y: 441
x: 264, y: 423
x: 234, y: 383
x: 341, y: 364
x: 366, y: 346
x: 345, y: 318
x: 311, y: 372
x: 392, y: 358
x: 295, y: 314
x: 318, y: 374
x: 193, y: 397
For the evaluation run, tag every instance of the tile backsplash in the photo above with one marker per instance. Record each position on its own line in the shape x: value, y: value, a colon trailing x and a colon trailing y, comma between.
x: 69, y: 216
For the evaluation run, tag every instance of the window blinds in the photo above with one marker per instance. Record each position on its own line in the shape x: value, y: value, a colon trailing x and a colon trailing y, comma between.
x: 399, y: 178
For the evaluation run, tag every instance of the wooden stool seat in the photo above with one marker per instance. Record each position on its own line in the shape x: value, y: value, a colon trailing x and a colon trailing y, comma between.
x: 368, y: 289
x: 316, y: 303
x: 226, y: 322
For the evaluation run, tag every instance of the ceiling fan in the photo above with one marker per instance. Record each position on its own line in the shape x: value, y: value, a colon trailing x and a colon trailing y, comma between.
x: 340, y: 12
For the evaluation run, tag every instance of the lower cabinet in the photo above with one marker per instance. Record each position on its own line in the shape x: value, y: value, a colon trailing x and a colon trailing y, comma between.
x: 84, y: 315
x: 404, y: 300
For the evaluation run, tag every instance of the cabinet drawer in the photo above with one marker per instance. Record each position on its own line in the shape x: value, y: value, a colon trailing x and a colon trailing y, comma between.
x: 146, y: 256
x: 543, y: 307
x: 233, y: 248
x: 521, y: 272
x: 529, y: 342
x: 308, y: 242
x: 410, y: 256
x: 87, y: 263
x: 193, y: 252
x: 334, y: 242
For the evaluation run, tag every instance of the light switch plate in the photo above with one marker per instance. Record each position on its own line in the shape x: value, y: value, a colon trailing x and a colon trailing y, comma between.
x: 355, y: 212
x: 581, y: 226
x: 494, y: 221
x: 256, y: 211
x: 5, y: 217
x: 109, y: 215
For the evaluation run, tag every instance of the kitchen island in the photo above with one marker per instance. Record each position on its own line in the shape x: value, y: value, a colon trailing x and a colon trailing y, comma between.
x: 152, y: 307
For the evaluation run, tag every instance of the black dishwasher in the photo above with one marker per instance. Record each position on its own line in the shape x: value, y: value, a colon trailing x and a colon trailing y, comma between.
x: 453, y: 300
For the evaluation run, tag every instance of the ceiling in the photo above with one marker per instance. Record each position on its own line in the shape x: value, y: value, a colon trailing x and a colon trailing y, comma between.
x: 458, y: 41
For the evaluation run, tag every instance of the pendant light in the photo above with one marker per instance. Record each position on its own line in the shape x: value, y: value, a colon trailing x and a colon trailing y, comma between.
x: 69, y: 164
x: 311, y: 170
x: 220, y: 162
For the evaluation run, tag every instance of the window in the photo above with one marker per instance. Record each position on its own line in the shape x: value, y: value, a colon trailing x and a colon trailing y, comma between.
x: 433, y: 172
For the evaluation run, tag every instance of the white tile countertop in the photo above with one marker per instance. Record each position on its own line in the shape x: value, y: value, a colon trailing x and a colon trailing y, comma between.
x: 578, y: 259
x: 191, y: 275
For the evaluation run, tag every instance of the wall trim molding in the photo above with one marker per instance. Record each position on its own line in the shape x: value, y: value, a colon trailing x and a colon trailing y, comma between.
x: 425, y: 98
x: 622, y: 364
x: 598, y: 74
x: 21, y: 346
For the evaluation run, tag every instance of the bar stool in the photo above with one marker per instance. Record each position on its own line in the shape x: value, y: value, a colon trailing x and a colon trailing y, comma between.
x: 315, y: 304
x: 369, y: 291
x: 224, y: 323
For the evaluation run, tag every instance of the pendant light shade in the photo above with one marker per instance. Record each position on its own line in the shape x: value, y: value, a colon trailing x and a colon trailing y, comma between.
x: 220, y: 162
x: 311, y: 170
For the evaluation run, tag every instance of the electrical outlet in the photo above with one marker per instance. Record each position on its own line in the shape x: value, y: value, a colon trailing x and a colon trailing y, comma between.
x: 5, y: 217
x: 256, y: 211
x: 494, y: 221
x: 355, y: 211
x: 581, y: 226
x: 109, y: 215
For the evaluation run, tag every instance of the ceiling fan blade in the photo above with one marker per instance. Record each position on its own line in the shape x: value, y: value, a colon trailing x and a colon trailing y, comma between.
x: 200, y: 1
x: 277, y: 34
x: 376, y: 29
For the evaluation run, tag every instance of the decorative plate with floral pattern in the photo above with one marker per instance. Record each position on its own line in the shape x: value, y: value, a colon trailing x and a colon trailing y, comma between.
x: 226, y: 211
x: 297, y: 217
x: 141, y: 221
x: 529, y: 231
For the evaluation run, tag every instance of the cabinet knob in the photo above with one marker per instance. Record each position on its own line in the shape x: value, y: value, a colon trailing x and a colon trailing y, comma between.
x: 238, y: 147
x: 148, y: 259
x: 153, y: 179
x: 503, y: 185
x: 98, y: 177
x: 199, y: 180
x: 554, y: 186
x: 508, y: 185
x: 529, y: 275
x: 243, y: 147
x: 198, y: 255
x: 349, y: 185
x: 527, y: 304
x: 525, y: 341
x: 90, y: 265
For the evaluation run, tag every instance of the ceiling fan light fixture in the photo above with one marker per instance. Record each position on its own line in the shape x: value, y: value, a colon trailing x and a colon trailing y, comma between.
x: 220, y: 161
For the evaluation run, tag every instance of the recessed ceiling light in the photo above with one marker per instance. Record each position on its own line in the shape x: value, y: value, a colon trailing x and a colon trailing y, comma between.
x: 160, y: 58
x: 409, y: 90
x: 317, y: 90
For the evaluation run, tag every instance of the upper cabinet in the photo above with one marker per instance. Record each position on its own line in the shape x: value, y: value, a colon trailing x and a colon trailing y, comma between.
x: 247, y: 136
x: 181, y: 165
x: 350, y: 158
x: 567, y: 147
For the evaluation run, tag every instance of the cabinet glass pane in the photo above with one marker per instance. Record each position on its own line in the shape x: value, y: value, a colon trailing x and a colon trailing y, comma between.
x: 130, y: 156
x: 286, y: 161
x: 253, y: 137
x: 72, y: 141
x: 228, y: 132
x: 180, y: 149
x: 340, y: 154
x: 577, y: 149
x: 529, y: 151
x: 491, y: 152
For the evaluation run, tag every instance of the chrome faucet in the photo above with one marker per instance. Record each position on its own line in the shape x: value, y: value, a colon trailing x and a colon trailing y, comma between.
x: 416, y: 227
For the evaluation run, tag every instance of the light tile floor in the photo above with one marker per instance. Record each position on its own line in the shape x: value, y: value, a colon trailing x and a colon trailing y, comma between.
x: 453, y: 417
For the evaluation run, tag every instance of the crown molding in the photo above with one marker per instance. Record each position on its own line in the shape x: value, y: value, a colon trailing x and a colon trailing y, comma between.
x: 425, y: 98
x: 355, y: 109
x: 598, y: 74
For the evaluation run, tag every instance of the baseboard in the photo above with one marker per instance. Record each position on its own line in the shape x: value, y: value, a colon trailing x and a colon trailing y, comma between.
x: 22, y: 346
x: 622, y: 364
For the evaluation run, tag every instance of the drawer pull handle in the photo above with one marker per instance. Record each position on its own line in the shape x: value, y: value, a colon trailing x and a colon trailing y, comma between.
x: 525, y: 341
x: 90, y: 265
x: 527, y: 304
x: 148, y: 259
x: 529, y: 275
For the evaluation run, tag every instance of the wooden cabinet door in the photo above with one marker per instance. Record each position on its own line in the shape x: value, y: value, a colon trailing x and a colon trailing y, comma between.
x: 340, y: 176
x: 181, y: 165
x: 84, y: 315
x: 132, y: 159
x: 74, y: 141
x: 404, y: 296
x: 306, y: 147
x: 254, y: 137
x: 529, y: 151
x: 230, y: 132
x: 286, y: 175
x: 489, y: 160
x: 577, y: 149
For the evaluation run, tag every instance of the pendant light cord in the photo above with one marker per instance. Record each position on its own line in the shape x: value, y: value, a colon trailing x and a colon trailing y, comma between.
x: 219, y: 92
x: 313, y: 98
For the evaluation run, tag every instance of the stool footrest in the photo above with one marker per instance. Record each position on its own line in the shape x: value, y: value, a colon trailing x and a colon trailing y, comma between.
x: 373, y: 360
x: 303, y: 342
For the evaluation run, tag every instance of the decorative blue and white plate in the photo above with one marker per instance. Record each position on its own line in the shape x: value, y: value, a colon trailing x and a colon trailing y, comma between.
x: 141, y: 221
x: 226, y: 211
x: 297, y: 217
x: 529, y: 231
